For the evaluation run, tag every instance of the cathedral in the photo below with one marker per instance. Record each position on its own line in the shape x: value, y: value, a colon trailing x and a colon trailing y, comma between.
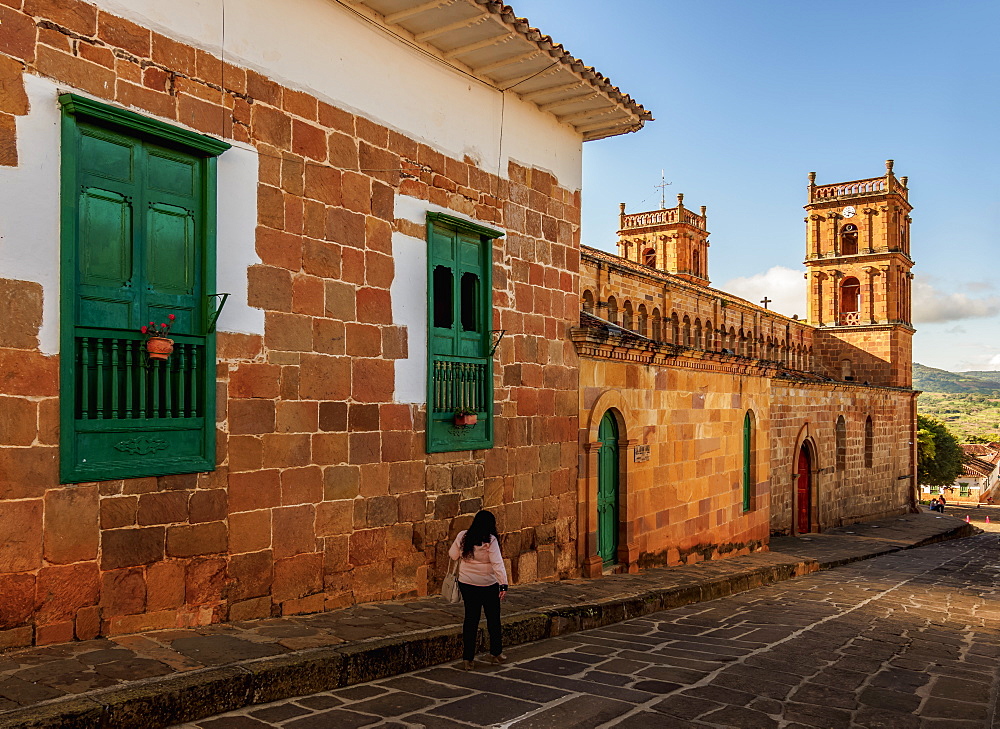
x: 709, y: 423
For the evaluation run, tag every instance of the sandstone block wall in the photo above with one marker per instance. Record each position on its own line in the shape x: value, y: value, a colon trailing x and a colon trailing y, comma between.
x: 847, y: 491
x: 323, y: 495
x: 880, y: 355
x: 685, y: 503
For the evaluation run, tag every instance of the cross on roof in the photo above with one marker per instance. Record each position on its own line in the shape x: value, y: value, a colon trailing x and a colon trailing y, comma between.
x: 765, y: 301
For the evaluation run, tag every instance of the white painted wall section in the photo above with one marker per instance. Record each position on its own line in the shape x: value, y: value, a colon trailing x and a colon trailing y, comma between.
x: 321, y: 47
x: 236, y: 239
x: 29, y: 206
x: 29, y: 216
x: 409, y: 309
x: 409, y: 296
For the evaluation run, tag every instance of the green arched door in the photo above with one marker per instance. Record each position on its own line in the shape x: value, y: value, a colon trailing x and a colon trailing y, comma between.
x: 607, y: 490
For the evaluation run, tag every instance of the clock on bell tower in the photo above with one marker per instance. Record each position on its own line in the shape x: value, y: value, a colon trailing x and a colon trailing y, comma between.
x: 858, y: 266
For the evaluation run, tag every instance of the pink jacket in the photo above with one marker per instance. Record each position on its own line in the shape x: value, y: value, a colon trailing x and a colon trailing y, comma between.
x: 486, y: 566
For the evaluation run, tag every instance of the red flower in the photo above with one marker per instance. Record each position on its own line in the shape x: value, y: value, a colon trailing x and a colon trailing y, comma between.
x: 144, y: 329
x: 171, y: 317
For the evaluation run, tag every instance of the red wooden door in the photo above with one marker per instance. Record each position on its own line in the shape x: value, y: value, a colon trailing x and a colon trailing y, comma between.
x: 804, y: 490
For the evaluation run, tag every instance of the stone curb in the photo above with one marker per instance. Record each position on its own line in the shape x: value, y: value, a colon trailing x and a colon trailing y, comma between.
x: 161, y: 702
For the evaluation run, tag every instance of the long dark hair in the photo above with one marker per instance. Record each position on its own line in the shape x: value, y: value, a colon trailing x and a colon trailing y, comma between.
x: 483, y: 526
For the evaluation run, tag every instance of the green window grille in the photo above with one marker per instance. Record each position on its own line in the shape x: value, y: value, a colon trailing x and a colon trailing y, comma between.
x: 459, y: 317
x: 747, y: 461
x: 138, y: 245
x: 963, y: 489
x: 935, y: 490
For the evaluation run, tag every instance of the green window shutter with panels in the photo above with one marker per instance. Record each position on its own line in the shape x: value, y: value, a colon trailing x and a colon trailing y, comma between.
x: 138, y: 244
x: 459, y: 317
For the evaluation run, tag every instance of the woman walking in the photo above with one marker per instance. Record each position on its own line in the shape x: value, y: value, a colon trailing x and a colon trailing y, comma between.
x: 482, y: 580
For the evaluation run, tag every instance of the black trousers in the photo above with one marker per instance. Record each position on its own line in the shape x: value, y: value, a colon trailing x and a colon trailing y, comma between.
x: 478, y: 599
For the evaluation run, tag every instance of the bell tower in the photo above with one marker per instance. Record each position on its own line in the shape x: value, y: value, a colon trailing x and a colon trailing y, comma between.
x: 673, y: 240
x: 858, y: 266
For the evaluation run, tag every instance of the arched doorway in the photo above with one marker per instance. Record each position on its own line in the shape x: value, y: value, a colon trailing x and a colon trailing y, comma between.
x: 804, y: 491
x: 607, y: 490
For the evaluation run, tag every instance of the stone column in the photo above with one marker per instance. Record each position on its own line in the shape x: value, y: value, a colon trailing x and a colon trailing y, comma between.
x: 872, y: 273
x: 628, y: 540
x: 590, y: 563
x: 835, y: 296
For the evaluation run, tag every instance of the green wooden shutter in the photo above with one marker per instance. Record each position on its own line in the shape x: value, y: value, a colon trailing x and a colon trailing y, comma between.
x: 138, y: 245
x: 173, y: 251
x: 459, y: 317
x: 107, y: 192
x: 607, y: 490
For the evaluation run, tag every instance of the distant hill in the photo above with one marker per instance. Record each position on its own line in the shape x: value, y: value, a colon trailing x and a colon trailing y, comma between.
x: 930, y: 379
x: 990, y: 376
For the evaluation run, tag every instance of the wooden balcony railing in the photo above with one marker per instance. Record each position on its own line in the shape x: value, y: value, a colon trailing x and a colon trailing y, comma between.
x: 461, y: 385
x: 117, y: 381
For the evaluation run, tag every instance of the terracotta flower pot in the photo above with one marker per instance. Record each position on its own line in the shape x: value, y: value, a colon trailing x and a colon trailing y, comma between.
x: 159, y: 347
x: 466, y: 420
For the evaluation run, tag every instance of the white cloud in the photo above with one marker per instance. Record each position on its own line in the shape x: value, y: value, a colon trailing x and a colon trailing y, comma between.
x: 931, y: 305
x: 957, y: 329
x: 785, y: 287
x: 980, y: 286
x: 979, y: 363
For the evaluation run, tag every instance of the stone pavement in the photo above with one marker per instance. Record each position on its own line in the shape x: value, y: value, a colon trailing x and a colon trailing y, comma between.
x: 904, y: 641
x: 978, y: 515
x: 166, y: 677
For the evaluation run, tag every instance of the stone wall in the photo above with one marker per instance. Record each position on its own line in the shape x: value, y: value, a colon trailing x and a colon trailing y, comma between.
x: 323, y: 495
x: 850, y: 491
x: 683, y: 501
x: 877, y: 354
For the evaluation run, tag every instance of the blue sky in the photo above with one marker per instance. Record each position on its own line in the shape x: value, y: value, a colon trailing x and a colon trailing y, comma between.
x: 751, y: 97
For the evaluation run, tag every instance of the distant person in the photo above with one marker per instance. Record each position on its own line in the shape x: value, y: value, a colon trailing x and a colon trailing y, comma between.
x: 942, y: 502
x: 482, y: 579
x: 933, y: 506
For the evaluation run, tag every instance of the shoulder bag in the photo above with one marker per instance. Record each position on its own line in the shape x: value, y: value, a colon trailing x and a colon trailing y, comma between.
x: 449, y: 588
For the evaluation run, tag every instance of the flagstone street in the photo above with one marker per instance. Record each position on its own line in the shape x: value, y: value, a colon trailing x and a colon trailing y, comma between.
x: 905, y: 640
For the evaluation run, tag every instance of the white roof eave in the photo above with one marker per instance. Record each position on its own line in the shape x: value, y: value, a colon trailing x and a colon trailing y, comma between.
x: 484, y: 38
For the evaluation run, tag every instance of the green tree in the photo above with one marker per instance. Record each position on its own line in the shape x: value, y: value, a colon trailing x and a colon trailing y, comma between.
x: 978, y: 439
x: 939, y: 457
